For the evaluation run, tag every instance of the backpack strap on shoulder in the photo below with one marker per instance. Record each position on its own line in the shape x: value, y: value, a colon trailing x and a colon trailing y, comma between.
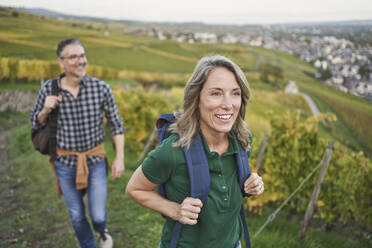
x: 53, y: 118
x: 162, y: 124
x: 197, y: 165
x: 244, y: 172
x: 198, y: 169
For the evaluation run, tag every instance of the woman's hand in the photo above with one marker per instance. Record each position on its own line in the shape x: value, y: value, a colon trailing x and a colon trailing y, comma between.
x: 189, y: 211
x: 254, y: 185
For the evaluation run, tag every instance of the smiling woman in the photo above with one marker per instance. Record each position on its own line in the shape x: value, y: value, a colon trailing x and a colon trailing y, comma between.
x: 215, y: 100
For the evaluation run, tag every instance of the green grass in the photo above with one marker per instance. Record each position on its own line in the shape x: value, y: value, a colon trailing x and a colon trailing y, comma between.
x: 175, y: 48
x: 354, y: 115
x: 135, y: 59
x: 8, y: 118
x: 33, y: 215
x: 338, y: 130
x: 20, y: 86
x: 283, y: 232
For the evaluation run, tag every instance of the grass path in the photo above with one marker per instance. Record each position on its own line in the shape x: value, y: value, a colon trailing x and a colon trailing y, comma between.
x: 26, y: 220
x: 8, y: 203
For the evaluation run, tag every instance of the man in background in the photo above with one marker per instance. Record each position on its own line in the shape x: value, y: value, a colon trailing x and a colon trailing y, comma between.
x: 81, y: 164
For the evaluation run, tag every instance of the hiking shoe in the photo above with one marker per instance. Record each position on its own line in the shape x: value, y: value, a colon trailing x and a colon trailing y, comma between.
x: 105, y: 240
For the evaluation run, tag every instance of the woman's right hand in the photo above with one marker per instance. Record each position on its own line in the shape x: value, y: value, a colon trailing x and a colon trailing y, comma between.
x: 189, y: 211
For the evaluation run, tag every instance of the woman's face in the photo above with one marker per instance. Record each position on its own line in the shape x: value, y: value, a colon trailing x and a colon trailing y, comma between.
x: 220, y: 101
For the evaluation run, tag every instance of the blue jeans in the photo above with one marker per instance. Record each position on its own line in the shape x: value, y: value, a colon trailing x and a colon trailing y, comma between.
x: 96, y: 191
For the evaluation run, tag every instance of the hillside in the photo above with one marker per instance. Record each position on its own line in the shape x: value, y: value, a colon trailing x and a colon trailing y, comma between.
x: 147, y: 77
x: 26, y: 36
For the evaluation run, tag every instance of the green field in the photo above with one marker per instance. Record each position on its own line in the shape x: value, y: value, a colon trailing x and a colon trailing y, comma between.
x: 34, y: 217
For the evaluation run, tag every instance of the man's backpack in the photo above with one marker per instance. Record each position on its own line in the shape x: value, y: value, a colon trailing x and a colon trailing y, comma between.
x: 197, y: 166
x: 44, y: 139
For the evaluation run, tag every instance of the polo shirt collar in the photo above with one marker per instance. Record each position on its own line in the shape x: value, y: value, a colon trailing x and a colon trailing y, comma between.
x: 233, y: 145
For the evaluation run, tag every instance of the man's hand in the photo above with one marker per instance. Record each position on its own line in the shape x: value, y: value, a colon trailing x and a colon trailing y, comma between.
x: 117, y: 168
x: 50, y: 103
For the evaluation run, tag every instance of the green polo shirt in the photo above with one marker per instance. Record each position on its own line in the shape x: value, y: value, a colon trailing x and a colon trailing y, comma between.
x: 219, y: 223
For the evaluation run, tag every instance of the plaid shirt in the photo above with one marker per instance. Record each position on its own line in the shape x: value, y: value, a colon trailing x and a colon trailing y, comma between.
x: 80, y: 120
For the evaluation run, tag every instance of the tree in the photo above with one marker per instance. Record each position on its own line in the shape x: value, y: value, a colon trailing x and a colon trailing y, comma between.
x: 326, y: 74
x: 268, y: 70
x: 364, y: 71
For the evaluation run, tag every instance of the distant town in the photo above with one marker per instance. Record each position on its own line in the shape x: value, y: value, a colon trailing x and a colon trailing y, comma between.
x: 340, y: 63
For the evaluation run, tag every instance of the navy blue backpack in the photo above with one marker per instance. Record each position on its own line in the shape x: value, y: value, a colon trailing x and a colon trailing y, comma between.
x: 197, y: 166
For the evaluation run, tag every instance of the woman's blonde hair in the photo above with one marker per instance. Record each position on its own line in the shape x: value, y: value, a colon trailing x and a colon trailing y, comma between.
x: 187, y: 122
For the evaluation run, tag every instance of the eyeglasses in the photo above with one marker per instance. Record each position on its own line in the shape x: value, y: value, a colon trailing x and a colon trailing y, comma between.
x: 75, y: 57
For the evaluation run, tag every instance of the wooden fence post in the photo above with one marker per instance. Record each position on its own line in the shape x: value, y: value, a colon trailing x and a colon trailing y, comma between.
x: 316, y: 191
x: 148, y: 145
x: 261, y: 151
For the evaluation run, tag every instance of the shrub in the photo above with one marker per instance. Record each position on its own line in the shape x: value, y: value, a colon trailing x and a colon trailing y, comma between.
x: 295, y: 149
x: 140, y: 109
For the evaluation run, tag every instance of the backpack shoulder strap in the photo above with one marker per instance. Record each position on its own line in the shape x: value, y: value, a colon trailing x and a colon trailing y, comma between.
x: 198, y: 170
x: 162, y: 124
x: 197, y: 166
x: 245, y: 228
x: 55, y: 89
x: 52, y: 122
x: 244, y: 172
x: 196, y: 160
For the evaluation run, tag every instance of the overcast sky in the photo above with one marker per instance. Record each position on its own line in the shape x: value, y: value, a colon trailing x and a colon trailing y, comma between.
x: 209, y: 11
